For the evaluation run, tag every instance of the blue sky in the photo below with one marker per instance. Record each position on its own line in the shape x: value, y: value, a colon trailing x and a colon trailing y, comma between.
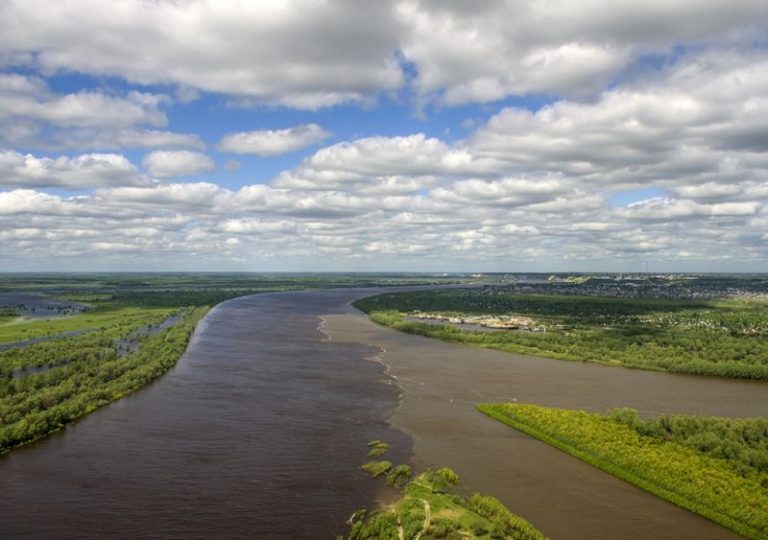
x: 405, y: 135
x: 212, y: 116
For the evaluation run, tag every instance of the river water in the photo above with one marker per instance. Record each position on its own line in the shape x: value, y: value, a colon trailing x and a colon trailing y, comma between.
x: 257, y: 433
x: 260, y: 429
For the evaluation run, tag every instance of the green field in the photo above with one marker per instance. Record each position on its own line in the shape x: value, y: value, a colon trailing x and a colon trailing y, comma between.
x: 727, y: 338
x: 435, y: 505
x: 716, y: 467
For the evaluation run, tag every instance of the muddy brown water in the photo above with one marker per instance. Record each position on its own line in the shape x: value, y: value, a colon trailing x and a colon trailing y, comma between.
x: 259, y: 431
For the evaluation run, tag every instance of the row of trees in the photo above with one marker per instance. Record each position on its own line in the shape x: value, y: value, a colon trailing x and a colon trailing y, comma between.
x: 741, y: 441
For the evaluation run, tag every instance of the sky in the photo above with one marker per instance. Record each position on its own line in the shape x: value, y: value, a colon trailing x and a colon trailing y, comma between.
x: 407, y: 135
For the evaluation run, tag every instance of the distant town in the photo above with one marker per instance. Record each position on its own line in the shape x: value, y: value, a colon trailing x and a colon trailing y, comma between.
x: 500, y: 322
x: 637, y: 285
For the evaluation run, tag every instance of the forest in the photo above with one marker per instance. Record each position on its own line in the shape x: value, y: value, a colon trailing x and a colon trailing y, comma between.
x: 727, y: 337
x: 715, y: 467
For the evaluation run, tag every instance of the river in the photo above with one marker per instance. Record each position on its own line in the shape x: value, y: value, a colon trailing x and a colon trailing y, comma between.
x: 259, y: 430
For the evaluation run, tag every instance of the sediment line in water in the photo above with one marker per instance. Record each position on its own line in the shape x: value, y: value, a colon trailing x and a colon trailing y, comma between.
x: 566, y: 498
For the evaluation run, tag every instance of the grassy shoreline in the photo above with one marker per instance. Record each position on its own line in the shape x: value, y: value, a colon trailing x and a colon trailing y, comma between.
x: 711, y: 487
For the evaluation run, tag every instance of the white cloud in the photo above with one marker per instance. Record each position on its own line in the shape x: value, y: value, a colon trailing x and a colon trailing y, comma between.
x: 199, y: 195
x: 180, y: 222
x: 167, y: 163
x: 670, y: 130
x: 664, y: 209
x: 504, y: 192
x: 527, y: 189
x: 83, y: 171
x: 377, y: 160
x: 307, y: 54
x: 29, y: 98
x: 32, y: 115
x: 273, y: 142
x: 256, y: 226
x: 302, y: 54
x: 466, y: 52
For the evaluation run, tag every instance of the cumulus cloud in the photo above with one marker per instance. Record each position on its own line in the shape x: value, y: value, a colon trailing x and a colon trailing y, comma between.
x: 83, y: 171
x: 303, y: 54
x: 347, y: 51
x: 273, y: 142
x: 167, y: 163
x: 29, y: 98
x: 378, y: 160
x: 668, y: 130
x: 468, y: 53
x: 663, y: 209
x: 32, y: 115
x: 508, y: 221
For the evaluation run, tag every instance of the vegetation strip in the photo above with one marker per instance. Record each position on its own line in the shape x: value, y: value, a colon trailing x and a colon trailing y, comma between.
x: 727, y: 338
x: 715, y: 467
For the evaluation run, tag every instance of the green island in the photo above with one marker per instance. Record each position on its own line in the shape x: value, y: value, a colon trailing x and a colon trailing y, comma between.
x: 716, y: 467
x: 434, y: 505
x: 719, y: 337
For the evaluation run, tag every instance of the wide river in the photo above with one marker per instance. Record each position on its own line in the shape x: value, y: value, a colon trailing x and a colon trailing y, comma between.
x: 260, y: 429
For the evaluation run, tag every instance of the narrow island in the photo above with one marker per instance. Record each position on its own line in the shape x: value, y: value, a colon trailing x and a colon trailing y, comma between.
x: 716, y: 467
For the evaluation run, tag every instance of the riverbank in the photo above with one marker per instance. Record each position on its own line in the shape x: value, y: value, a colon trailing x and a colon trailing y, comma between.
x: 45, y: 400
